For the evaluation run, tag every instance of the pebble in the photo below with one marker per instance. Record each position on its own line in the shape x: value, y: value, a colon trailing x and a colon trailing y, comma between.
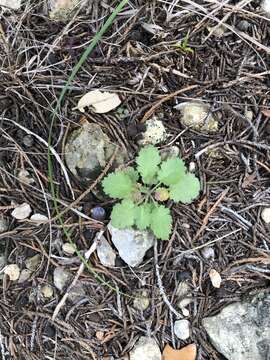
x: 24, y: 276
x: 47, y: 291
x: 266, y: 215
x: 22, y: 211
x: 208, y: 253
x: 243, y: 25
x: 62, y: 279
x: 154, y: 134
x: 182, y: 329
x: 11, y: 4
x: 13, y: 271
x: 169, y: 152
x: 142, y: 301
x: 3, y: 225
x: 24, y: 177
x: 105, y: 253
x: 145, y: 349
x: 198, y: 116
x: 28, y: 140
x: 98, y: 213
x: 39, y: 218
x: 266, y: 7
x: 69, y: 248
x: 184, y: 294
x: 32, y: 263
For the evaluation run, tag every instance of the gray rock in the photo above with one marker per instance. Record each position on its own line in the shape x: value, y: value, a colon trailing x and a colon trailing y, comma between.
x: 32, y: 263
x: 241, y: 331
x: 131, y: 244
x: 63, y: 9
x: 169, y: 152
x: 3, y: 225
x: 208, y: 253
x: 182, y: 329
x: 184, y: 296
x: 24, y: 276
x: 88, y: 150
x: 10, y: 4
x: 62, y: 279
x: 145, y: 349
x: 106, y: 253
x: 198, y: 116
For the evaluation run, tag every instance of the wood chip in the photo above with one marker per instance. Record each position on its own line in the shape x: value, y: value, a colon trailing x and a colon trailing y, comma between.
x: 215, y: 278
x: 188, y: 352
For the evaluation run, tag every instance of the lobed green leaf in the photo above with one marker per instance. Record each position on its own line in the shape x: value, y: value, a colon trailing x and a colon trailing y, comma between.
x: 186, y: 190
x: 171, y: 171
x: 148, y: 161
x: 123, y: 214
x: 118, y: 185
x: 161, y: 222
x: 143, y: 216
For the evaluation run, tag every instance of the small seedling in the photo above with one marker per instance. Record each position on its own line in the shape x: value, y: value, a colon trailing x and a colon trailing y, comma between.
x: 142, y: 190
x: 183, y: 45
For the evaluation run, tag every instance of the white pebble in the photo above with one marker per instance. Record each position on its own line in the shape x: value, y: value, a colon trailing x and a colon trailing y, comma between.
x: 24, y: 276
x: 192, y: 166
x: 182, y: 329
x: 39, y: 218
x: 47, y: 291
x: 266, y: 6
x: 266, y: 215
x: 13, y: 271
x: 68, y: 248
x: 215, y: 278
x: 208, y: 253
x: 22, y: 211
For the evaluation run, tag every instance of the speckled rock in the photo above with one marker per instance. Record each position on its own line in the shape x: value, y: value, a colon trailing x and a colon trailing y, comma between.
x: 198, y: 116
x: 154, y: 134
x: 63, y: 9
x: 241, y: 331
x: 88, y: 150
x: 141, y: 301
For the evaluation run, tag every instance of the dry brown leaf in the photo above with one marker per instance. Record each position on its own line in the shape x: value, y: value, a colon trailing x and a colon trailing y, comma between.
x: 101, y: 102
x: 188, y: 352
x: 215, y: 278
x: 266, y: 112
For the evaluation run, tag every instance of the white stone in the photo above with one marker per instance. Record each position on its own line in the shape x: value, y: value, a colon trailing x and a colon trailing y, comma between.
x: 131, y: 244
x: 68, y: 248
x: 155, y: 132
x: 62, y: 279
x: 266, y: 215
x: 47, y: 291
x: 32, y: 263
x: 13, y: 271
x: 198, y: 116
x: 141, y: 302
x: 11, y: 4
x: 266, y: 6
x: 184, y: 294
x: 22, y: 211
x: 215, y: 278
x: 182, y: 329
x: 208, y: 253
x: 62, y: 9
x: 241, y: 331
x: 24, y: 276
x: 106, y: 253
x: 24, y: 177
x: 145, y: 349
x: 39, y: 218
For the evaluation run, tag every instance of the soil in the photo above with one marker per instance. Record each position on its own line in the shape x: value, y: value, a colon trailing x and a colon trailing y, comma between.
x: 231, y: 73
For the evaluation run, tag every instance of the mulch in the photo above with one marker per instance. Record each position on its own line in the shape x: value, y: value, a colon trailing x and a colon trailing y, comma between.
x: 231, y: 73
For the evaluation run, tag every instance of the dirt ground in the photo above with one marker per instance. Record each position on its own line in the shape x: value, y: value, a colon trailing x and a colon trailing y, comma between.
x: 230, y: 72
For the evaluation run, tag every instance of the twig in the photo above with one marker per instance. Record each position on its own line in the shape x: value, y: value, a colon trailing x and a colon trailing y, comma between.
x: 160, y: 285
x: 79, y: 272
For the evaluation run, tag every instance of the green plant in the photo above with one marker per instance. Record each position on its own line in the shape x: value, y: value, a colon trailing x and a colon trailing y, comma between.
x: 142, y: 190
x: 183, y: 45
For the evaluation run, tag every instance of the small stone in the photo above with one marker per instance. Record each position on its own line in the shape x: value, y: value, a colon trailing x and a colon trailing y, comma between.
x: 243, y: 25
x: 169, y: 152
x: 266, y: 215
x: 182, y: 329
x: 105, y: 253
x: 69, y: 248
x: 215, y: 278
x: 24, y: 276
x: 198, y: 116
x: 266, y: 7
x: 145, y: 349
x: 192, y: 166
x: 62, y: 9
x: 13, y: 271
x: 24, y: 177
x: 208, y: 253
x: 11, y: 4
x: 132, y: 245
x: 249, y: 115
x: 39, y: 218
x: 100, y: 335
x: 154, y: 134
x: 47, y: 291
x: 217, y: 31
x: 141, y: 302
x: 241, y: 331
x: 32, y: 263
x: 183, y: 293
x: 62, y: 279
x: 28, y: 140
x: 22, y: 211
x: 3, y: 225
x: 98, y: 213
